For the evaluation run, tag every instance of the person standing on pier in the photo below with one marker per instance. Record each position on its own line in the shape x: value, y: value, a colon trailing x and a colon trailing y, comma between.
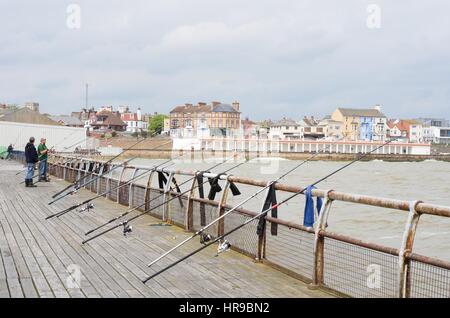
x: 10, y: 150
x: 43, y: 155
x: 31, y: 157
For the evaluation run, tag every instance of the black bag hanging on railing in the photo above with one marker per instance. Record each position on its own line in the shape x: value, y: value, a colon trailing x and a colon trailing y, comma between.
x: 216, y: 188
x: 270, y: 201
x: 201, y: 194
x: 162, y: 180
x: 177, y: 187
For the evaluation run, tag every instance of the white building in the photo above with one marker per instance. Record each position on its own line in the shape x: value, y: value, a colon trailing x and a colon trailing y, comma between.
x: 136, y: 122
x: 441, y: 135
x: 33, y: 106
x: 286, y: 129
x: 333, y: 129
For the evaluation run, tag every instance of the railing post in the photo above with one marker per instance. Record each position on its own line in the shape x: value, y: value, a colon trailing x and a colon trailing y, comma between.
x: 79, y: 164
x: 108, y: 182
x: 166, y: 197
x: 319, y: 243
x: 221, y: 209
x: 99, y: 179
x: 131, y: 190
x: 189, y: 215
x: 404, y: 260
x: 119, y: 183
x: 262, y: 236
x: 148, y: 188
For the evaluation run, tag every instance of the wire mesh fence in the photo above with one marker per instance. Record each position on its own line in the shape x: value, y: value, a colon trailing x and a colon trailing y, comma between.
x: 429, y: 281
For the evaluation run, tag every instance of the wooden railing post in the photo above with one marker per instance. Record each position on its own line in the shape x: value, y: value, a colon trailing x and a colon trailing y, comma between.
x: 221, y: 208
x: 131, y: 189
x: 404, y: 262
x: 119, y: 181
x: 189, y: 215
x: 262, y: 237
x: 148, y: 188
x: 166, y: 197
x: 99, y: 180
x: 319, y: 243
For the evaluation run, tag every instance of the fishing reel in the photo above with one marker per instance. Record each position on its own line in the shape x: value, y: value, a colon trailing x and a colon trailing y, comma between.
x: 127, y: 229
x: 205, y: 238
x: 87, y: 207
x: 223, y: 247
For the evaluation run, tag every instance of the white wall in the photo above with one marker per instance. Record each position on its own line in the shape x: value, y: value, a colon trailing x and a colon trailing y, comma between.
x: 186, y: 143
x: 60, y: 137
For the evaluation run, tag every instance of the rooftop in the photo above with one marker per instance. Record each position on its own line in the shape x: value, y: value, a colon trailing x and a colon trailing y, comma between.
x: 361, y: 112
x: 26, y: 115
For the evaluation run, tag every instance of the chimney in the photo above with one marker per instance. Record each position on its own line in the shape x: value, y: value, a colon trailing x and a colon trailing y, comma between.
x: 201, y: 104
x: 214, y: 104
x: 188, y: 105
x: 377, y: 107
x: 235, y: 105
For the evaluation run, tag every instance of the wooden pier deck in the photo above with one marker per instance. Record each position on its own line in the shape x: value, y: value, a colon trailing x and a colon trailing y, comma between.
x: 36, y: 254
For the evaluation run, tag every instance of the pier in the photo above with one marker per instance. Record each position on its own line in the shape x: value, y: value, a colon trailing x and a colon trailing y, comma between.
x: 39, y: 258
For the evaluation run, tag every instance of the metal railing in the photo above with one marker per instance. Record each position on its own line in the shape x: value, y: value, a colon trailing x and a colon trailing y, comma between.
x: 323, y: 259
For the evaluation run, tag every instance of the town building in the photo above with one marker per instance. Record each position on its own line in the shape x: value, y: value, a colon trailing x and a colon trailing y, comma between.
x: 32, y: 106
x: 106, y: 121
x: 28, y: 116
x: 68, y: 121
x: 432, y: 129
x: 205, y: 120
x: 136, y: 122
x: 166, y: 129
x: 333, y: 129
x: 286, y: 129
x: 362, y: 124
x: 312, y: 129
x: 441, y: 135
x: 405, y: 131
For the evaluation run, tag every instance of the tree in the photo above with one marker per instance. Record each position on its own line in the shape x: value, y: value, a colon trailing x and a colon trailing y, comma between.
x: 156, y: 124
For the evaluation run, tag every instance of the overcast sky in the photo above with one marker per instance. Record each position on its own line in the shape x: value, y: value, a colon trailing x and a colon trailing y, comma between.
x: 278, y: 58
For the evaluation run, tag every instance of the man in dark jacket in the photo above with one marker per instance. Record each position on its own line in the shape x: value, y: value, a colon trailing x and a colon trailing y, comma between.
x: 31, y: 157
x: 10, y: 150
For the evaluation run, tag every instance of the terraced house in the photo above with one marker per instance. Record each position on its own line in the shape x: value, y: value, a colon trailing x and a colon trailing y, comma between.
x: 205, y: 120
x: 362, y: 124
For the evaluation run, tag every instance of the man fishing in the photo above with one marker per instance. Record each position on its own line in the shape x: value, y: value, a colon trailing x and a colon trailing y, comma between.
x: 31, y: 157
x: 43, y: 155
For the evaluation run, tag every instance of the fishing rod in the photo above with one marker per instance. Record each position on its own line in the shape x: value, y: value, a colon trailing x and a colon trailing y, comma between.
x: 236, y: 207
x: 226, y: 245
x: 125, y: 223
x: 106, y: 192
x: 146, y: 202
x: 79, y: 186
x: 107, y: 162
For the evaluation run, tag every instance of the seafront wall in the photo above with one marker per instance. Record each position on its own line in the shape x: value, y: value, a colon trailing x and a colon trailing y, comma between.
x: 166, y: 154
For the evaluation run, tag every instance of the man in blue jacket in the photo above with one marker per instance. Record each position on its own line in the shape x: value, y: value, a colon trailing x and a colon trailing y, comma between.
x: 31, y: 157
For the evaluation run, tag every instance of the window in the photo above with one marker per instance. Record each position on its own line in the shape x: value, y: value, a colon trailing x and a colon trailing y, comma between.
x: 174, y: 123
